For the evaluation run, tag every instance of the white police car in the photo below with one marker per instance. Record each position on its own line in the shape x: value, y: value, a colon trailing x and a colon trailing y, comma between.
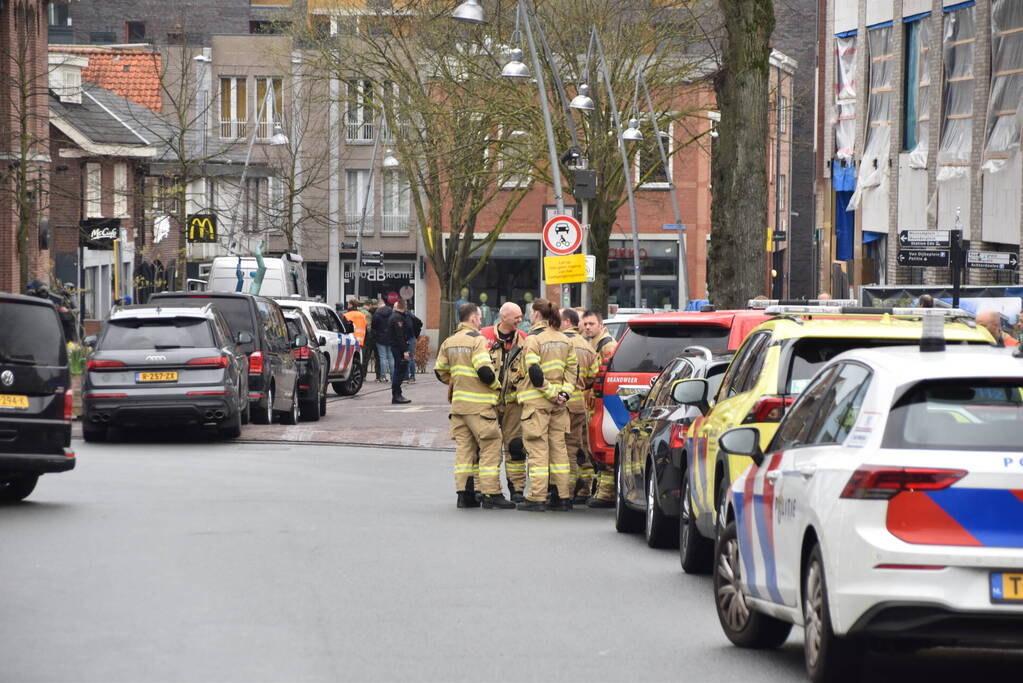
x: 889, y: 505
x: 344, y: 356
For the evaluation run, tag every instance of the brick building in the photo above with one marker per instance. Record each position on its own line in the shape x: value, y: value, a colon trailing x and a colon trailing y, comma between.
x: 917, y: 125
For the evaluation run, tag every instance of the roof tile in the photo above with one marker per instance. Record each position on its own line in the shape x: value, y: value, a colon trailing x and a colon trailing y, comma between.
x: 132, y: 73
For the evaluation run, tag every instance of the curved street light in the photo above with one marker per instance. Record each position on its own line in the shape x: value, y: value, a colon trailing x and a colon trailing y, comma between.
x: 470, y: 12
x: 582, y: 101
x: 633, y: 133
x: 515, y: 68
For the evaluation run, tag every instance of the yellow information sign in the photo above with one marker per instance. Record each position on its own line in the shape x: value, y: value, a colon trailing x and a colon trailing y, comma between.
x: 564, y: 270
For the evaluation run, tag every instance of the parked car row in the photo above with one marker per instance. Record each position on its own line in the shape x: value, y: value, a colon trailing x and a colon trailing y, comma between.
x: 843, y: 471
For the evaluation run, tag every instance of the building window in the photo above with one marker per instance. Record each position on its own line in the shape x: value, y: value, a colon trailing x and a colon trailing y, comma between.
x: 58, y: 15
x: 876, y: 151
x: 957, y: 125
x: 356, y: 184
x: 650, y: 171
x: 135, y: 31
x: 102, y: 37
x: 233, y: 107
x: 263, y: 27
x: 783, y: 193
x: 783, y: 115
x: 254, y: 200
x: 916, y: 115
x: 270, y: 100
x: 1003, y: 135
x: 395, y: 203
x: 396, y: 107
x: 512, y: 158
x: 359, y: 112
x: 93, y: 191
x: 121, y: 190
x: 845, y: 96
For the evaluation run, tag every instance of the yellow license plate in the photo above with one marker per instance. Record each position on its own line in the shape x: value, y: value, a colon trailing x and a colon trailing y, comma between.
x: 1007, y: 587
x: 170, y: 376
x: 14, y: 401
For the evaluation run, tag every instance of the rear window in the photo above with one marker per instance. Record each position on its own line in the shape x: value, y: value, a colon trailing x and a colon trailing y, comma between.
x: 972, y: 414
x: 141, y: 334
x: 294, y: 327
x: 651, y: 348
x: 810, y: 354
x: 30, y: 334
x: 236, y: 310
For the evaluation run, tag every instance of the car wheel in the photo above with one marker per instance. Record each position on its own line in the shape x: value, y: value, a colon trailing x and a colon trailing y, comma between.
x: 17, y: 488
x: 310, y: 408
x: 94, y: 434
x: 743, y: 626
x: 694, y: 551
x: 627, y: 521
x: 659, y: 530
x: 828, y: 657
x: 232, y: 427
x: 351, y: 386
x: 291, y: 417
x: 264, y: 414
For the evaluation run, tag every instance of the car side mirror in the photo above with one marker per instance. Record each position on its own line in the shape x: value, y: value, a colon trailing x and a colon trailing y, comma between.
x: 300, y: 341
x: 243, y: 337
x: 633, y: 397
x: 322, y: 341
x: 90, y: 341
x: 691, y: 392
x: 742, y: 441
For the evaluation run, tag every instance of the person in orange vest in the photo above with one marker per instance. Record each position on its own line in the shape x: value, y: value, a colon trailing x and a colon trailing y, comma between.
x: 358, y: 321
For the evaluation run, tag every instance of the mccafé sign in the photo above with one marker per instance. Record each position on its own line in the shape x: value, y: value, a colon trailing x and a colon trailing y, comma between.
x: 99, y: 233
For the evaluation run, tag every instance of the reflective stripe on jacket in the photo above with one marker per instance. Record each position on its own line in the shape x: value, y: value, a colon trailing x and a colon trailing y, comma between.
x: 605, y: 346
x: 507, y: 360
x: 458, y: 359
x: 552, y: 352
x: 589, y: 365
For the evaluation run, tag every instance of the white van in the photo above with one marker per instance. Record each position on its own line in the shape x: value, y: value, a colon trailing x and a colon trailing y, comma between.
x: 284, y: 276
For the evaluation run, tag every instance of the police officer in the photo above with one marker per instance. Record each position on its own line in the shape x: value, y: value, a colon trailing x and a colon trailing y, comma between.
x: 604, y: 344
x: 577, y: 439
x: 546, y: 381
x: 505, y: 341
x: 463, y: 362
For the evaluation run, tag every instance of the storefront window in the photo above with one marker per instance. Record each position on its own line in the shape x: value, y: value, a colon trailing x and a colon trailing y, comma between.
x: 658, y: 262
x: 383, y: 283
x: 512, y: 272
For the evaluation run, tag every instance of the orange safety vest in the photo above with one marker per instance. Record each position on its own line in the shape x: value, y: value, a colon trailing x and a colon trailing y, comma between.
x: 358, y: 321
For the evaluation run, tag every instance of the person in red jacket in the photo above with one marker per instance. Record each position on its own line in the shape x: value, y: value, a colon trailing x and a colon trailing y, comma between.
x: 505, y: 339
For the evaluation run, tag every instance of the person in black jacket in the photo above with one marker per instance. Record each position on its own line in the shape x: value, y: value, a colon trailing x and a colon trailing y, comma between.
x: 381, y: 334
x: 398, y: 333
x: 415, y: 328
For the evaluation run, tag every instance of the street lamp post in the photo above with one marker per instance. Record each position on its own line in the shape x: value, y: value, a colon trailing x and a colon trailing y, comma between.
x: 388, y: 162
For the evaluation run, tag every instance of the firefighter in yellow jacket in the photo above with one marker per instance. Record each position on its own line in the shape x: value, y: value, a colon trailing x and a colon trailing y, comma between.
x: 577, y: 439
x: 547, y: 378
x: 464, y: 363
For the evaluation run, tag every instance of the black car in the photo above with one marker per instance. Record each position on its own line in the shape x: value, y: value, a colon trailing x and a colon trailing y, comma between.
x: 157, y: 364
x: 650, y: 471
x: 35, y: 395
x: 258, y: 326
x: 312, y: 365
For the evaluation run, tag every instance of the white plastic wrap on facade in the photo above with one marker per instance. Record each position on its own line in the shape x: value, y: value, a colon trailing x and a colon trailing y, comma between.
x: 845, y: 97
x: 1004, y: 105
x: 874, y: 164
x: 957, y: 131
x: 918, y: 155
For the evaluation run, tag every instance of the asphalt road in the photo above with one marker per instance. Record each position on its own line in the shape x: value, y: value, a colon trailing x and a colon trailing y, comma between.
x: 200, y: 561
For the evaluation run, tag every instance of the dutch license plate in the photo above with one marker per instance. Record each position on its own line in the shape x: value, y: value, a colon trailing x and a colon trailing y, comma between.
x: 15, y: 401
x: 1006, y: 587
x: 169, y: 376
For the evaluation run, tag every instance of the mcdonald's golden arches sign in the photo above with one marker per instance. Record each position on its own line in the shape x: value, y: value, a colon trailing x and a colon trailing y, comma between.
x: 201, y: 227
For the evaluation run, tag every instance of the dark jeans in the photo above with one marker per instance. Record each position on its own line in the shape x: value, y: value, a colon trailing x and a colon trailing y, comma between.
x: 399, y: 371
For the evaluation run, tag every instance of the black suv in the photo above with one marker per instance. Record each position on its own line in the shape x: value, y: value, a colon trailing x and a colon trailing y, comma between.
x: 260, y: 331
x: 35, y: 395
x: 164, y: 365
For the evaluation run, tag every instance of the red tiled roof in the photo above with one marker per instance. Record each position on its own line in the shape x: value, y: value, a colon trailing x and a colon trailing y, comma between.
x: 132, y: 73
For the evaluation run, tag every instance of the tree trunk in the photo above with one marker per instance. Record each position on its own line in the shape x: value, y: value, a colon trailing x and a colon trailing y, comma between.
x: 448, y: 290
x: 599, y: 248
x: 736, y: 258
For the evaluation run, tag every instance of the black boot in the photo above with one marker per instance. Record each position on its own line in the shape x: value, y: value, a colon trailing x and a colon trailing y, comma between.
x: 516, y: 496
x: 595, y: 502
x: 579, y: 496
x: 399, y: 399
x: 496, y: 501
x: 532, y: 505
x: 467, y: 499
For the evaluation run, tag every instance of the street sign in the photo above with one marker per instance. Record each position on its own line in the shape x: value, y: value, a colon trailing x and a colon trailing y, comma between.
x: 562, y: 235
x: 924, y: 239
x: 992, y: 260
x: 779, y: 235
x: 591, y: 267
x: 564, y: 270
x: 674, y: 226
x: 930, y: 258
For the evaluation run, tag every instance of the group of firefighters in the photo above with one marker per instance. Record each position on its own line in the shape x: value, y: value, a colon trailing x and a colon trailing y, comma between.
x: 524, y: 399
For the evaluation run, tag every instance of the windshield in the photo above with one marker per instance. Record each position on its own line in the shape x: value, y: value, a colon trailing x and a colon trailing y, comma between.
x: 809, y: 355
x: 969, y: 414
x: 140, y: 334
x: 651, y: 348
x: 31, y: 334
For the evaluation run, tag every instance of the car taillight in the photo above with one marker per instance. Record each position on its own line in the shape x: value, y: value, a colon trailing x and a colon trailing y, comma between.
x: 872, y: 482
x: 209, y: 362
x: 678, y: 435
x: 302, y: 353
x: 598, y: 381
x: 256, y: 363
x: 769, y: 409
x: 69, y: 402
x: 94, y: 364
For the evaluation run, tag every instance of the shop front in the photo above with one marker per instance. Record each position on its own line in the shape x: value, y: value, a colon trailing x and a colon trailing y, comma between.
x: 512, y: 273
x: 385, y: 282
x: 658, y: 261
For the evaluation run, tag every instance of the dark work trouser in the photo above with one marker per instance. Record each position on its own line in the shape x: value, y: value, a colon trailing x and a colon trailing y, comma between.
x: 399, y: 370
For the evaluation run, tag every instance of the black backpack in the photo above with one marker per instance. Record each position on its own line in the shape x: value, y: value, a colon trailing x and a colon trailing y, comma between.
x: 417, y: 324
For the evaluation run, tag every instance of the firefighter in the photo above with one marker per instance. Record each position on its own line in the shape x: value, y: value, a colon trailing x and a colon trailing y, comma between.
x: 506, y: 351
x: 546, y: 381
x: 463, y: 363
x: 604, y: 345
x: 577, y: 440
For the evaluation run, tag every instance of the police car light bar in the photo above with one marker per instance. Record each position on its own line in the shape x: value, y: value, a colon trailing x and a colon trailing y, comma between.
x: 762, y: 304
x: 803, y: 310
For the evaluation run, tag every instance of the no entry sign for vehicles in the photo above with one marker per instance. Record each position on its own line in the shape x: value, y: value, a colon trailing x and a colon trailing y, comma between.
x: 562, y: 235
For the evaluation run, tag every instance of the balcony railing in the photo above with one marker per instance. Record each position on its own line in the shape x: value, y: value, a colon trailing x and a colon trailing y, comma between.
x: 232, y: 130
x: 352, y: 223
x: 360, y: 132
x: 395, y: 224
